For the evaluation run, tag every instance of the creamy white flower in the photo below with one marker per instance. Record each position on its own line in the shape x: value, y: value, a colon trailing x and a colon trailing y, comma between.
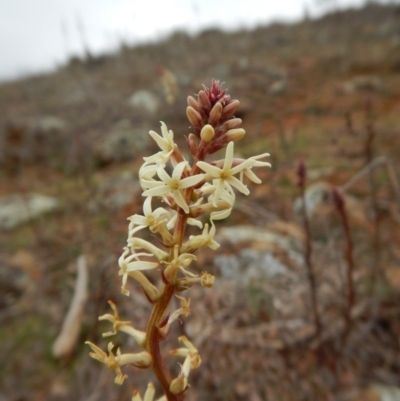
x: 254, y: 163
x: 190, y: 350
x: 205, y: 239
x: 191, y: 221
x: 126, y: 266
x: 119, y: 325
x: 114, y: 362
x: 148, y: 170
x: 166, y: 141
x: 183, y: 310
x: 180, y: 383
x: 180, y: 262
x: 225, y: 174
x: 150, y: 219
x: 139, y: 243
x: 228, y: 196
x: 148, y: 395
x: 174, y: 184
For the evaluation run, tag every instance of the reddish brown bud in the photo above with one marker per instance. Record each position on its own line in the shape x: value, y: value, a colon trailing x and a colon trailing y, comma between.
x: 215, y: 114
x: 193, y: 116
x: 192, y: 144
x: 232, y: 123
x: 191, y: 101
x: 301, y: 173
x: 204, y: 103
x: 234, y: 135
x: 230, y: 109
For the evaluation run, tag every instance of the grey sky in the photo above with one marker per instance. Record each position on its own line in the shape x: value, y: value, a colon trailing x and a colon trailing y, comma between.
x: 37, y: 35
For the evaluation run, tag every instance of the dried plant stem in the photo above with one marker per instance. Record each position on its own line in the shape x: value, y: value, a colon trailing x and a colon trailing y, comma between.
x: 310, y: 268
x: 369, y: 155
x: 351, y: 295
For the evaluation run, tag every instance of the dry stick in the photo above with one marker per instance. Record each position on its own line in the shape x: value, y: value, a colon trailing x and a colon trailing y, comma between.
x: 380, y: 160
x: 340, y: 206
x: 301, y: 175
x: 349, y: 124
x: 372, y: 165
x: 368, y: 150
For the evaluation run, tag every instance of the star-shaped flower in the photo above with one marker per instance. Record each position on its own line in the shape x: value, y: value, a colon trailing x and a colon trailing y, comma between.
x: 127, y: 265
x: 205, y: 239
x: 119, y: 325
x: 225, y: 175
x: 180, y: 262
x: 165, y: 142
x: 254, y: 163
x: 114, y: 362
x: 174, y: 184
x: 190, y: 350
x: 151, y: 219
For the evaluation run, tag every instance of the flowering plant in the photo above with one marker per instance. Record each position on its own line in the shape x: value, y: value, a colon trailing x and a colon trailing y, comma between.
x: 189, y: 192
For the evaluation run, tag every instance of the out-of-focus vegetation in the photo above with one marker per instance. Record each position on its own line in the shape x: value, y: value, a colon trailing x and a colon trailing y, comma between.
x: 324, y: 91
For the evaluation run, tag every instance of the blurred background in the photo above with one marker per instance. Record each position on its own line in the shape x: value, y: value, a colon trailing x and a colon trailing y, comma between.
x: 307, y: 293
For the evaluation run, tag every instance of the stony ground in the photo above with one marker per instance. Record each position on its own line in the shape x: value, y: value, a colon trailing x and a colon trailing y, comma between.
x: 326, y: 92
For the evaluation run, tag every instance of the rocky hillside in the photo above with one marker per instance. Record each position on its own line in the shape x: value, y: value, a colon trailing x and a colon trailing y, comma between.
x: 324, y: 91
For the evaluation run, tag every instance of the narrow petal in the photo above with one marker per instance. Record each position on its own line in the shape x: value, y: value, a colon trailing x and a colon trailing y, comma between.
x: 160, y: 211
x: 132, y: 231
x: 164, y: 129
x: 172, y: 222
x: 220, y: 215
x: 241, y: 166
x: 149, y: 394
x: 162, y: 143
x: 157, y: 191
x: 238, y: 185
x: 218, y: 191
x: 228, y: 156
x: 138, y: 220
x: 163, y: 175
x: 193, y: 222
x: 160, y: 158
x: 147, y: 206
x: 140, y: 265
x: 215, y: 172
x: 191, y: 181
x: 150, y: 183
x: 251, y: 176
x: 180, y: 201
x: 178, y: 170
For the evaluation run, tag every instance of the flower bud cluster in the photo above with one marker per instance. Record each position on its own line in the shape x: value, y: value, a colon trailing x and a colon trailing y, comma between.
x: 178, y: 193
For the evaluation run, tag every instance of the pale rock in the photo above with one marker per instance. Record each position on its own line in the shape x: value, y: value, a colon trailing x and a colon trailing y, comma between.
x: 278, y: 87
x: 144, y: 100
x: 116, y: 193
x: 122, y: 143
x: 257, y: 252
x: 363, y: 83
x: 16, y: 210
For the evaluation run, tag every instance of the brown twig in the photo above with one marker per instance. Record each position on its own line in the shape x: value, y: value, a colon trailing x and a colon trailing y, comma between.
x: 301, y: 176
x: 339, y: 202
x: 369, y: 156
